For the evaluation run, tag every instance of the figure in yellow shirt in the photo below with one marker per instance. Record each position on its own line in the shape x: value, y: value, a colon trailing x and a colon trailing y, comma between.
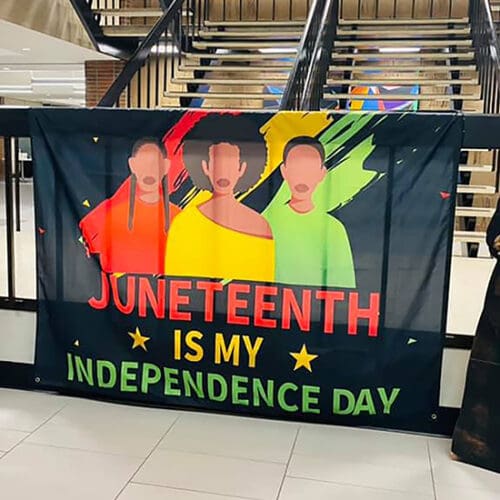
x: 222, y: 238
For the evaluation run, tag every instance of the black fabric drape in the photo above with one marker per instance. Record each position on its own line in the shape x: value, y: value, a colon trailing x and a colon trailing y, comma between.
x: 477, y: 435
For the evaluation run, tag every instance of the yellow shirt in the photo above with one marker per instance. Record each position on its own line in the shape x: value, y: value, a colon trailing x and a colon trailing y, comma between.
x: 199, y: 247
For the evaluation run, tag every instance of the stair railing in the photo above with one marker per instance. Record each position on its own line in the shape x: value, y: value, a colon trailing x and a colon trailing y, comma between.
x: 170, y: 36
x: 487, y: 50
x: 304, y: 88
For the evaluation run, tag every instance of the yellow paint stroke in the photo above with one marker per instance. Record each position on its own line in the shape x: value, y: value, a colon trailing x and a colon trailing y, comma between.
x: 280, y: 129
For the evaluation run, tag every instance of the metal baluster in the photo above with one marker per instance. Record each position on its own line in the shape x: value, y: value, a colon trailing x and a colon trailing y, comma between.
x: 17, y: 175
x: 11, y: 263
x: 156, y: 57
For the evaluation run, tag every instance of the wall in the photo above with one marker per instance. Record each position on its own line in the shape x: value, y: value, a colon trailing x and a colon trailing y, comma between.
x: 404, y: 8
x: 258, y: 9
x: 56, y: 18
x: 99, y: 75
x: 297, y: 9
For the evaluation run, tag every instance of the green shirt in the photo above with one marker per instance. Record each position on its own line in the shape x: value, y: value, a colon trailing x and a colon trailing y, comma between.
x: 311, y: 249
x: 314, y: 248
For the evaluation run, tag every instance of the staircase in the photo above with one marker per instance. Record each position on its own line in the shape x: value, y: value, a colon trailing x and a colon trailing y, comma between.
x: 237, y: 64
x: 401, y: 64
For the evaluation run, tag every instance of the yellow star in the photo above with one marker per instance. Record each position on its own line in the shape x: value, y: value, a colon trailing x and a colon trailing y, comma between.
x: 139, y: 340
x: 303, y: 358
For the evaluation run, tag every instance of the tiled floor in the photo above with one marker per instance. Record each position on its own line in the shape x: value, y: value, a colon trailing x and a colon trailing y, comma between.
x: 54, y: 448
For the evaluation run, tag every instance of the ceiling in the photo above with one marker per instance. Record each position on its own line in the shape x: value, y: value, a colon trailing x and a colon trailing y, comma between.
x: 40, y: 68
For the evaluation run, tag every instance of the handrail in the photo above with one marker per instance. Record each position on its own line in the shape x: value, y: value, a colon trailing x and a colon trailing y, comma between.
x: 141, y: 54
x: 288, y: 100
x: 320, y: 62
x: 305, y: 84
x: 487, y: 48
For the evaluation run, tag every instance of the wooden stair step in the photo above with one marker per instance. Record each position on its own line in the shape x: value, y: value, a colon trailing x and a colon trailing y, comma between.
x: 237, y: 69
x: 132, y: 30
x: 250, y: 45
x: 469, y: 236
x: 146, y: 12
x: 223, y: 95
x: 400, y: 97
x: 292, y: 35
x: 436, y: 56
x: 402, y: 33
x: 404, y: 43
x: 387, y: 82
x: 137, y: 12
x: 475, y: 189
x: 474, y: 212
x: 231, y: 81
x: 403, y: 68
x: 254, y: 24
x: 239, y: 57
x: 475, y: 168
x: 476, y: 150
x: 398, y: 21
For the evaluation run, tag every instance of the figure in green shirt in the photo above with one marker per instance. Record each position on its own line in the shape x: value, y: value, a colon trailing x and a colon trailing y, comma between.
x: 312, y: 246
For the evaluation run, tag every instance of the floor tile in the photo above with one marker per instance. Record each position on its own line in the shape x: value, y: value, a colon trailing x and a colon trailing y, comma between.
x: 9, y: 439
x: 301, y: 489
x: 342, y: 470
x: 363, y: 445
x: 455, y: 493
x: 107, y: 428
x: 26, y: 410
x: 229, y: 436
x: 45, y: 472
x: 458, y: 475
x: 148, y: 492
x: 221, y: 475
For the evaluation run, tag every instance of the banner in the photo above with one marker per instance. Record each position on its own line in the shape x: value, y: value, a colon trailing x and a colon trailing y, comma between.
x: 290, y: 264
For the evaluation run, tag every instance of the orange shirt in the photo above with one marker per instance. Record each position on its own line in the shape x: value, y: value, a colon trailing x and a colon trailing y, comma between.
x: 139, y: 250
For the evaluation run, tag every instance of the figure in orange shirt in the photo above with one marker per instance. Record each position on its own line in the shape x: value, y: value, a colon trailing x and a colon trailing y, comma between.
x: 129, y: 230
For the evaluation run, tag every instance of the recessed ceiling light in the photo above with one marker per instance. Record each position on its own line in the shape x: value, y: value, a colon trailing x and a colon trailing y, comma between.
x: 5, y: 68
x: 25, y: 49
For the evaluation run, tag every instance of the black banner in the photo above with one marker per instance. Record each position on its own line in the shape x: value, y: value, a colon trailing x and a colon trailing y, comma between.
x: 290, y: 264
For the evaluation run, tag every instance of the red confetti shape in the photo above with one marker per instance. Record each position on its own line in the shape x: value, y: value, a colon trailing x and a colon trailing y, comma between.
x: 41, y: 230
x: 445, y: 195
